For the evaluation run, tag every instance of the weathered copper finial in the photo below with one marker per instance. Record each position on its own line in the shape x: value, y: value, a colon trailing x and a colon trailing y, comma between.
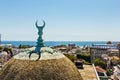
x: 40, y: 43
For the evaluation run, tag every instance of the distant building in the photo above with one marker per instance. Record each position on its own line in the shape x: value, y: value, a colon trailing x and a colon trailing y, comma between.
x: 113, y: 52
x: 6, y: 45
x: 97, y: 50
x: 89, y: 72
x: 101, y: 73
x: 69, y: 49
x: 72, y: 45
x: 60, y: 48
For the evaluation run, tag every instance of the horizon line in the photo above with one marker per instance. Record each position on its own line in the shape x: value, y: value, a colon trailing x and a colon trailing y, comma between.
x: 68, y: 40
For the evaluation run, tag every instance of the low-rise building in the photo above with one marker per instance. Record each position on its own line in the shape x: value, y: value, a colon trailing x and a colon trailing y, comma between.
x: 6, y: 45
x: 89, y: 72
x: 113, y: 52
x: 101, y: 73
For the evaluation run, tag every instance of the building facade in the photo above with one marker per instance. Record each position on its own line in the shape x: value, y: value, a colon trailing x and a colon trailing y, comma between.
x: 97, y: 50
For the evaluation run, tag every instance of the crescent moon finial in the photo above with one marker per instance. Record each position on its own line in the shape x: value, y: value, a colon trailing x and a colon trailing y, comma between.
x: 40, y: 26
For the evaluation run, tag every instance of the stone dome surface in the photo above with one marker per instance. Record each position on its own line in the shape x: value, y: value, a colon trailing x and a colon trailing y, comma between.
x: 50, y: 67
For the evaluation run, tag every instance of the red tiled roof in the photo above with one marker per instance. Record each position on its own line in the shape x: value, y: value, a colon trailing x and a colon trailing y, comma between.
x: 100, y: 69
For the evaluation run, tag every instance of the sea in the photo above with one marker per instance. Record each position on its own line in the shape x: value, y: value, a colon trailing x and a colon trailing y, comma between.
x: 55, y: 43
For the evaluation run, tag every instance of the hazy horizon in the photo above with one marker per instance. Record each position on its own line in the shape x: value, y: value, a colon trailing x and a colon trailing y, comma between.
x: 66, y: 20
x: 60, y: 41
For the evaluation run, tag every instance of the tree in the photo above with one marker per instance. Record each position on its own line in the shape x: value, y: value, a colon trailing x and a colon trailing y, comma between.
x: 24, y: 46
x: 100, y: 62
x: 1, y: 48
x: 64, y: 45
x: 118, y: 46
x: 109, y: 42
x: 118, y: 61
x: 108, y: 72
x: 8, y: 50
x: 71, y: 57
x: 85, y: 57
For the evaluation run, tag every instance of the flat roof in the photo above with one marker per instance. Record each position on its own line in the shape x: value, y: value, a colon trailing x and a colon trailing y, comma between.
x: 88, y: 72
x: 105, y: 46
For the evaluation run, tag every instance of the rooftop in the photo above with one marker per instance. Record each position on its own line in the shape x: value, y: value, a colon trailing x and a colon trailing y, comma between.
x: 45, y: 55
x: 88, y: 73
x: 100, y: 69
x: 53, y: 66
x: 105, y: 46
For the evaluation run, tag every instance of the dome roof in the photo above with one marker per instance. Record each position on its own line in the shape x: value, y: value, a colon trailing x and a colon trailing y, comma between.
x: 50, y: 67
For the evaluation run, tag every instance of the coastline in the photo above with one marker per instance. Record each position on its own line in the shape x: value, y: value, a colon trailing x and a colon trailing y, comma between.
x: 55, y: 43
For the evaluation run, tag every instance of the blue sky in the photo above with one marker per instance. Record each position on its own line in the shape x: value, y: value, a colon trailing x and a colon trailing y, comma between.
x: 66, y: 20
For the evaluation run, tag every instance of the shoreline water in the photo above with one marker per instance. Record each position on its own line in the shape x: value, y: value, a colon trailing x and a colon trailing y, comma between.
x: 55, y: 43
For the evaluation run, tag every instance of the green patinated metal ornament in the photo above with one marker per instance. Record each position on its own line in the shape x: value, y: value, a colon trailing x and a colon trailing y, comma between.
x: 40, y: 43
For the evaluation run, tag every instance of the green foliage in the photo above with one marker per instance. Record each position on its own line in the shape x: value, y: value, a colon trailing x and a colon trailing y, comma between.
x: 115, y: 62
x: 118, y: 61
x: 71, y: 57
x: 24, y: 46
x: 8, y: 50
x: 0, y: 60
x: 100, y: 62
x: 1, y: 48
x: 63, y: 45
x: 108, y: 72
x: 87, y: 63
x: 111, y: 63
x: 85, y: 57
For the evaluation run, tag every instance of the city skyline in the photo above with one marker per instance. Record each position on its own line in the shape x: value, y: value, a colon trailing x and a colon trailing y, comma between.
x: 66, y: 20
